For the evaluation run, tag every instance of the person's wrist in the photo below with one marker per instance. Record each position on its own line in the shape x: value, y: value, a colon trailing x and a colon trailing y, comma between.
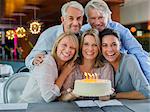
x: 33, y: 63
x: 112, y: 96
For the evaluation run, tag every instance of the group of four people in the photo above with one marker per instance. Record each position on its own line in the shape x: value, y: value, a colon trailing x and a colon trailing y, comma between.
x: 53, y: 75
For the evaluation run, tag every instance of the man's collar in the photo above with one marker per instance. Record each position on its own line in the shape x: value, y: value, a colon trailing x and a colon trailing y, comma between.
x: 108, y: 25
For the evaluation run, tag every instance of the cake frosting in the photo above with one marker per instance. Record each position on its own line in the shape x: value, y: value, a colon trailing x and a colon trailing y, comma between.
x: 93, y: 87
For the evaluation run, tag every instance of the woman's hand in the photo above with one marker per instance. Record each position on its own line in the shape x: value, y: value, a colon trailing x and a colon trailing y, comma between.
x: 65, y: 72
x: 107, y: 97
x: 104, y: 98
x: 69, y: 96
x: 38, y: 59
x: 67, y: 69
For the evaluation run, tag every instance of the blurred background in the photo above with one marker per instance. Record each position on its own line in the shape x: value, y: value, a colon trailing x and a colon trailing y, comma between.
x: 22, y: 21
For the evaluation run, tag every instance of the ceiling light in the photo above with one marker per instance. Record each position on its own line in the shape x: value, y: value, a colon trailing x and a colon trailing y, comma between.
x: 21, y: 32
x: 10, y: 34
x: 35, y: 27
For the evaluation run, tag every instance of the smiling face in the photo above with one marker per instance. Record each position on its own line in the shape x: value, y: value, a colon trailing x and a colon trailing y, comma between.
x: 66, y: 49
x: 90, y: 48
x: 96, y: 19
x: 73, y: 20
x: 111, y: 48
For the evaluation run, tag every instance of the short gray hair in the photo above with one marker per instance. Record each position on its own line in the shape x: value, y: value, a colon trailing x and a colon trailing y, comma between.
x: 99, y: 5
x: 74, y: 4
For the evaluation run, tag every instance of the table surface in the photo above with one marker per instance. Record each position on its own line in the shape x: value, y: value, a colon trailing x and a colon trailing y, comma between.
x: 129, y: 106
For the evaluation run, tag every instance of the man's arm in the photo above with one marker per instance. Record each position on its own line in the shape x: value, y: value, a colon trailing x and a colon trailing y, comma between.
x: 43, y: 44
x: 39, y: 56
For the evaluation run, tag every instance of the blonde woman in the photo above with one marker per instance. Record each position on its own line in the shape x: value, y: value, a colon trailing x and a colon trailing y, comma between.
x: 89, y: 61
x: 46, y: 81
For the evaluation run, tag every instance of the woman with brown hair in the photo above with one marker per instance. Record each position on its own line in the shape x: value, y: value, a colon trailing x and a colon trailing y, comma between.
x: 130, y: 82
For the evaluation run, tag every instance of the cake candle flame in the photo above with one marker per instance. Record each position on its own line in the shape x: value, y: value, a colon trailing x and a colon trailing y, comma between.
x: 96, y: 75
x: 90, y: 76
x: 86, y: 75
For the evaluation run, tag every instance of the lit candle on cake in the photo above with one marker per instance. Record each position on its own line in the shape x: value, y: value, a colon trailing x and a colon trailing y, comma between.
x: 96, y: 76
x: 86, y: 75
x: 90, y: 76
x: 93, y: 76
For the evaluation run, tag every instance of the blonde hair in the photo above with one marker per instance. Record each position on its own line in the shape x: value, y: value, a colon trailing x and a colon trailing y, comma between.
x: 95, y: 34
x: 63, y: 35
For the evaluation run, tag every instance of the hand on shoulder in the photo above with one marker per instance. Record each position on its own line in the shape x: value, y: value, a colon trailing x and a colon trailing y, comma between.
x: 38, y: 59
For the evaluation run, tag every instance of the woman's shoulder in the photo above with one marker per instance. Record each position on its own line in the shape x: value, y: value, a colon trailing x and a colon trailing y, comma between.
x: 76, y: 69
x: 48, y: 62
x: 129, y: 60
x: 129, y: 57
x: 106, y: 65
x: 49, y: 59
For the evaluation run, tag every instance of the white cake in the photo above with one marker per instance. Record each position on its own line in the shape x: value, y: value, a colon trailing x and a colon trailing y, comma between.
x: 96, y: 87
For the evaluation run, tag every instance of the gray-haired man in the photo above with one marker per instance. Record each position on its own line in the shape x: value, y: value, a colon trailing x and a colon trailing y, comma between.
x: 72, y: 18
x: 99, y: 16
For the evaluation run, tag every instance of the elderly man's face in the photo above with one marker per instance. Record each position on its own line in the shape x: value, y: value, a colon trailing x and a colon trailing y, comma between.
x: 73, y: 20
x: 96, y: 19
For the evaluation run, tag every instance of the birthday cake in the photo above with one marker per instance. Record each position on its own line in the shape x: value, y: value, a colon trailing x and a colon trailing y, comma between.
x: 92, y: 87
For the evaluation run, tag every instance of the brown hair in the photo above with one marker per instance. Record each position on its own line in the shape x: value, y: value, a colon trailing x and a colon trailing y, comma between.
x: 95, y: 34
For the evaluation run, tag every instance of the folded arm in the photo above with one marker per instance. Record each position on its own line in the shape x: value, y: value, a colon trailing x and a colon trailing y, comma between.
x: 133, y: 95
